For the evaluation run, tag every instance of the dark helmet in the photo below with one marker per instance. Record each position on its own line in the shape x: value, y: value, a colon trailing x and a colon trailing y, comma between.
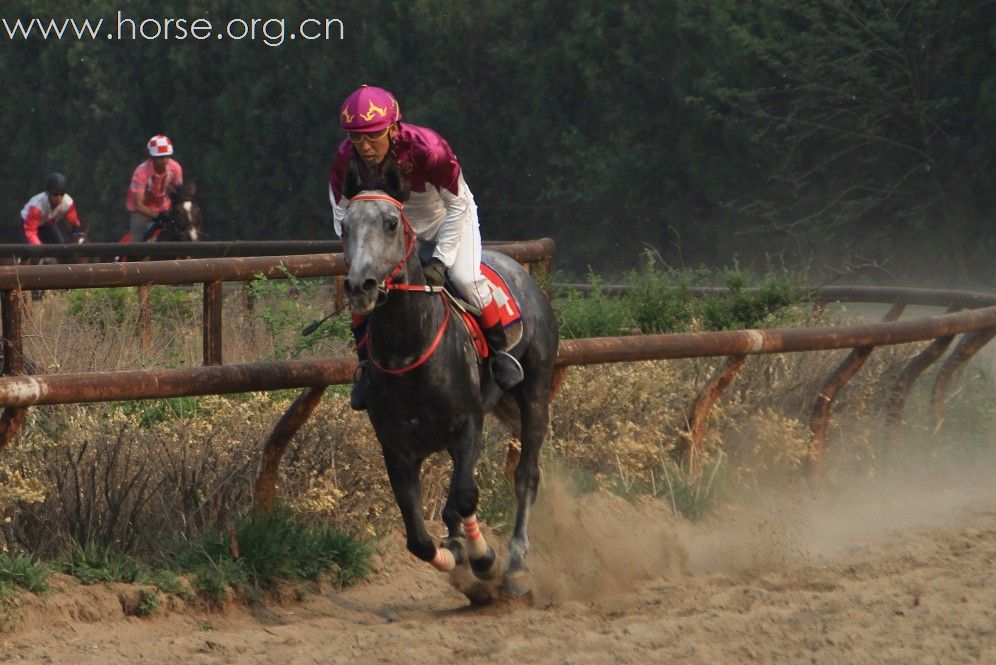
x: 55, y: 183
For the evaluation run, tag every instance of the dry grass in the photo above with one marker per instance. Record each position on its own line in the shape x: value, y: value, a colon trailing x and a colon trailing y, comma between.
x: 135, y: 475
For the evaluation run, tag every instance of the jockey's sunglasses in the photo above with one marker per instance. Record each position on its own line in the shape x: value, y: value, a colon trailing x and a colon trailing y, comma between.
x: 356, y: 138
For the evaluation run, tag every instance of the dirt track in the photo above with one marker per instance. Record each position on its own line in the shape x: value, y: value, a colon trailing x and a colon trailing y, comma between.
x: 900, y: 571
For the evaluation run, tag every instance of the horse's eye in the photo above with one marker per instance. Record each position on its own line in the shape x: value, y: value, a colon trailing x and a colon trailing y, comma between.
x: 392, y: 224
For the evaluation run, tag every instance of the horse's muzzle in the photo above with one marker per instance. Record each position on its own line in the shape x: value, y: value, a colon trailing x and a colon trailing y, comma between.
x: 363, y: 295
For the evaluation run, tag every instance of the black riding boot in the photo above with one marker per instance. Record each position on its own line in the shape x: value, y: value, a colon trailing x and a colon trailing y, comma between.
x: 505, y: 369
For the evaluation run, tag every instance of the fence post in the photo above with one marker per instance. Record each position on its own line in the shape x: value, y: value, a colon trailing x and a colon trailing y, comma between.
x: 265, y: 488
x: 144, y: 317
x: 968, y: 346
x: 13, y: 361
x: 212, y: 323
x: 819, y: 421
x: 712, y: 391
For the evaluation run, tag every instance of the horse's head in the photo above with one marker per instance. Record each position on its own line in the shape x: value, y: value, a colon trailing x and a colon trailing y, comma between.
x: 185, y: 216
x: 377, y: 241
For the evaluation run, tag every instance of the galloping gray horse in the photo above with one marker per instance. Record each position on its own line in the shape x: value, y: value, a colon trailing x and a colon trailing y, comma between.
x: 429, y: 390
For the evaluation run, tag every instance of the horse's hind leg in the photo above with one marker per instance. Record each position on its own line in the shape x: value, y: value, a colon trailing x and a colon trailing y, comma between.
x: 460, y: 511
x: 534, y: 409
x: 404, y: 473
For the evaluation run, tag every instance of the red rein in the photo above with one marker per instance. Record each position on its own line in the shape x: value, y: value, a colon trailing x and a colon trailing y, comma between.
x: 389, y: 285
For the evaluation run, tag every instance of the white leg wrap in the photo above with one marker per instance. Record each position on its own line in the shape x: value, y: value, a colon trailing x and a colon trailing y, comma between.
x: 443, y: 561
x: 475, y: 540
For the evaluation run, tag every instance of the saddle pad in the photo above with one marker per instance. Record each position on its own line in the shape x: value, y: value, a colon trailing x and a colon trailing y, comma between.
x: 476, y: 336
x: 503, y: 296
x: 513, y: 333
x: 511, y: 317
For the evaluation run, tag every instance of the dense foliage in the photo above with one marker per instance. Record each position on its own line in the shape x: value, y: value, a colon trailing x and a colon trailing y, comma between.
x: 853, y: 131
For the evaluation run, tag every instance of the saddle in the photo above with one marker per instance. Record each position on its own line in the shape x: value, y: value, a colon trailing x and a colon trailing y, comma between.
x: 511, y: 316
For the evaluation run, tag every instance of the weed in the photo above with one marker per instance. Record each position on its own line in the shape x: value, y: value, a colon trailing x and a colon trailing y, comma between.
x: 273, y: 547
x: 153, y: 411
x: 169, y: 582
x: 212, y: 581
x: 662, y: 301
x: 102, y: 308
x: 91, y: 564
x: 694, y: 494
x: 148, y: 602
x: 283, y: 305
x: 594, y: 315
x: 24, y: 571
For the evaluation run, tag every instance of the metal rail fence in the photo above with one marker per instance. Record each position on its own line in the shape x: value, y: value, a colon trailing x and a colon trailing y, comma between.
x: 972, y: 315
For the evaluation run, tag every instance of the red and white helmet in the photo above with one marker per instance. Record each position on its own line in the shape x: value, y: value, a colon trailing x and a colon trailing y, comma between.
x: 160, y: 146
x: 369, y: 109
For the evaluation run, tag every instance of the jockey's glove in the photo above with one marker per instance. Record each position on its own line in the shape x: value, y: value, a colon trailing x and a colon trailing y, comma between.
x: 162, y: 219
x: 435, y: 272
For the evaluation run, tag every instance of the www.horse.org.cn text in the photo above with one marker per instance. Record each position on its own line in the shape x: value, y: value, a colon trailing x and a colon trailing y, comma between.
x: 273, y: 31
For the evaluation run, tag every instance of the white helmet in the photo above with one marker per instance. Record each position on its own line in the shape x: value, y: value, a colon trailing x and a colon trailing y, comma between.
x: 160, y: 146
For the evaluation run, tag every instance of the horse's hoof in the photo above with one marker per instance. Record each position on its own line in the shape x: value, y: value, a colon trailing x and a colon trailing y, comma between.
x: 516, y: 584
x: 486, y: 568
x: 456, y: 545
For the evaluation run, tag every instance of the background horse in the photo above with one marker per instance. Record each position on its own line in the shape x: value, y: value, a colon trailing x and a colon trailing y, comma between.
x: 184, y: 217
x: 429, y: 390
x: 181, y: 223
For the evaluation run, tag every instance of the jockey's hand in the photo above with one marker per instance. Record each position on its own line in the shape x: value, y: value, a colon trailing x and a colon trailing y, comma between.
x: 435, y: 272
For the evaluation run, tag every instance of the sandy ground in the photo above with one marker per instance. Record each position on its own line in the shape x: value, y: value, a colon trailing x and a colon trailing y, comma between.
x: 897, y: 570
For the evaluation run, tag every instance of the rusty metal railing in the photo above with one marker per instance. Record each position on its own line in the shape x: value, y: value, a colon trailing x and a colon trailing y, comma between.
x: 20, y: 392
x: 969, y: 314
x: 113, y: 251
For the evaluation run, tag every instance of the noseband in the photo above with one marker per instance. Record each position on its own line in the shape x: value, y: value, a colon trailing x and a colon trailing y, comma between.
x: 390, y: 285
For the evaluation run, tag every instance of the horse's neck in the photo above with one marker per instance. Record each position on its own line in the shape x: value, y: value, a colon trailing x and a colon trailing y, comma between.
x: 408, y: 319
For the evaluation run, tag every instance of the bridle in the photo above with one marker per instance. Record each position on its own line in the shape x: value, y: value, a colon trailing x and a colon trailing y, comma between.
x: 390, y: 284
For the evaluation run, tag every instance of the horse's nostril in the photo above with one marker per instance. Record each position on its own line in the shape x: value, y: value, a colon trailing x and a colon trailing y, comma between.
x: 367, y: 286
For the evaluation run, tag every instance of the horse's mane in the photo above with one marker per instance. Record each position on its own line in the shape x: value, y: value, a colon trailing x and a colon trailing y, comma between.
x: 386, y: 178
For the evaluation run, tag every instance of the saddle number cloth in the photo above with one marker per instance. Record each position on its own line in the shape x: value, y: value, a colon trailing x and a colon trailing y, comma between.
x: 503, y: 296
x: 507, y: 308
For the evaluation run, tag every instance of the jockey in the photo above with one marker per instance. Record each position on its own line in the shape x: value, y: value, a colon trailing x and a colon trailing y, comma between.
x: 152, y: 184
x: 41, y: 215
x: 441, y: 208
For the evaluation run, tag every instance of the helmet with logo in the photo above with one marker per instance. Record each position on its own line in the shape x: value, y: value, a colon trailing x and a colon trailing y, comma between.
x: 55, y: 183
x: 369, y: 109
x: 160, y: 146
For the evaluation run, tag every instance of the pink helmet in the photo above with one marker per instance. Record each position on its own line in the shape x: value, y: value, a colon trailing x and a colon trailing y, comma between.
x: 369, y: 109
x: 160, y: 146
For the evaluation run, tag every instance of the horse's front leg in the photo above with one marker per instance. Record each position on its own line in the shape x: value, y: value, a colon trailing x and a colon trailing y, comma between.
x: 532, y: 397
x: 404, y: 473
x: 460, y: 511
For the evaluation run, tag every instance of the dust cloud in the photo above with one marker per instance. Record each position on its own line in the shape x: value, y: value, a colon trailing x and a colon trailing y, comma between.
x: 594, y: 547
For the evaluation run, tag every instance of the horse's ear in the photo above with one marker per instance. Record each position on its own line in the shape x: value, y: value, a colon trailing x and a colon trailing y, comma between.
x: 392, y: 181
x: 351, y: 185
